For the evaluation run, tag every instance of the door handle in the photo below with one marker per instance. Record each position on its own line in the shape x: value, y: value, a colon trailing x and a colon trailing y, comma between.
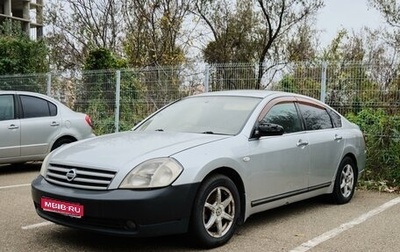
x: 54, y: 124
x: 13, y: 126
x: 301, y: 143
x: 337, y: 137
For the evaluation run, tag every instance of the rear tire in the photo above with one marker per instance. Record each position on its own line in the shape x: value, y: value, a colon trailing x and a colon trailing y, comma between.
x: 216, y: 211
x: 345, y: 182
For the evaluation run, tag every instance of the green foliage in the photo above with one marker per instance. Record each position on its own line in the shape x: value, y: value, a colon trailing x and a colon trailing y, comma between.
x: 307, y: 84
x: 236, y: 41
x: 132, y: 110
x: 288, y: 84
x: 302, y: 46
x: 232, y: 76
x: 102, y: 117
x: 20, y: 55
x: 235, y: 33
x: 11, y: 28
x: 98, y: 89
x: 382, y: 133
x: 103, y: 58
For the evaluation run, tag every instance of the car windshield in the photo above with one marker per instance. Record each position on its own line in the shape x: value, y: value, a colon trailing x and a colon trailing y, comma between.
x: 203, y: 114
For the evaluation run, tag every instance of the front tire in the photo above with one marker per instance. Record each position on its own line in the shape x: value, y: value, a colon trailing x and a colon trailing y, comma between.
x: 215, y: 212
x: 345, y: 182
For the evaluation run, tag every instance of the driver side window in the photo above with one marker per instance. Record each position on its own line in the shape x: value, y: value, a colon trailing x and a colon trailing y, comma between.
x: 284, y: 114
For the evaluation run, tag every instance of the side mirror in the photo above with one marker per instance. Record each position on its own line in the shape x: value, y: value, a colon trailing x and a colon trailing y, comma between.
x: 269, y: 129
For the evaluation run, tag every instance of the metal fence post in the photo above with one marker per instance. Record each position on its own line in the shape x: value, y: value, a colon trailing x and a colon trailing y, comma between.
x: 206, y: 78
x: 117, y: 98
x: 48, y: 86
x: 323, y: 81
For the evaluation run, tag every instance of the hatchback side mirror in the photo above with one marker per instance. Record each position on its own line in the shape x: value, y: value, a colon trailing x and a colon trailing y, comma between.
x: 269, y: 129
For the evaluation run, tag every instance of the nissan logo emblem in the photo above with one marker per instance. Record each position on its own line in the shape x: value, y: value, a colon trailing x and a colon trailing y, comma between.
x: 71, y: 174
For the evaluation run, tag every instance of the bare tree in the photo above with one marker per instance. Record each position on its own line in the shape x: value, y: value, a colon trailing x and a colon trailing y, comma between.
x: 390, y: 11
x: 264, y: 23
x: 233, y: 26
x: 154, y: 28
x: 76, y: 26
x: 280, y: 17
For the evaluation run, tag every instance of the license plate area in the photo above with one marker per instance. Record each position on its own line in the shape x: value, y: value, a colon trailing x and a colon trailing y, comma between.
x: 71, y: 209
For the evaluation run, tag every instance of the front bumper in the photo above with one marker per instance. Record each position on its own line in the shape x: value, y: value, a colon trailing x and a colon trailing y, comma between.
x: 123, y: 212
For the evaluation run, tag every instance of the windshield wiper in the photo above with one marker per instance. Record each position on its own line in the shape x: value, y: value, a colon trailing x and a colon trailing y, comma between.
x: 209, y: 132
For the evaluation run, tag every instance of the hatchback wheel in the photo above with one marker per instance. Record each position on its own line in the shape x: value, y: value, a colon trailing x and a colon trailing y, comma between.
x: 345, y: 182
x: 215, y: 212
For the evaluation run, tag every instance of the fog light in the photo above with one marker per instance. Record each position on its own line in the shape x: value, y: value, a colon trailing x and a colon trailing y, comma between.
x: 130, y: 225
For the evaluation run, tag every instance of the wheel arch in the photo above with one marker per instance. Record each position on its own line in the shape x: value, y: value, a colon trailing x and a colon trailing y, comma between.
x: 62, y: 138
x: 353, y: 157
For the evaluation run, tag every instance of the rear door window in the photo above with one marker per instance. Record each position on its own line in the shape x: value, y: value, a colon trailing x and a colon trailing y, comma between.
x: 316, y: 118
x: 37, y: 107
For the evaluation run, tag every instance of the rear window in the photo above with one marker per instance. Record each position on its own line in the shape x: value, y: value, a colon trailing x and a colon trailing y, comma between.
x: 316, y: 118
x: 336, y: 118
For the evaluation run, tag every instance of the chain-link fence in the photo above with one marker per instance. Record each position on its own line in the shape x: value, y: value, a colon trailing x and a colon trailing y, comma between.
x: 117, y: 99
x: 346, y: 87
x: 367, y: 94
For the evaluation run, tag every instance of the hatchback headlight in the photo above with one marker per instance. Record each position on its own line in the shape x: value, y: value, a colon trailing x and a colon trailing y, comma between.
x: 159, y: 172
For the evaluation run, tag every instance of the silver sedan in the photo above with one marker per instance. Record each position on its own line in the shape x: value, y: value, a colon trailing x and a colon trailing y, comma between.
x: 203, y: 165
x: 32, y: 125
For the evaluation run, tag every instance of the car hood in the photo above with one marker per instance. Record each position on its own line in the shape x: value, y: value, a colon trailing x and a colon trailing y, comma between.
x: 126, y: 150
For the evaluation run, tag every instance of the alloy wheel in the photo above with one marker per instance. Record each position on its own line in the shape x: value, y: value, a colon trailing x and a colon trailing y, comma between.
x: 219, y: 212
x: 347, y: 181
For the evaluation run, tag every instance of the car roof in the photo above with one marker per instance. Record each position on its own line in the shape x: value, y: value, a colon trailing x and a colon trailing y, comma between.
x: 251, y: 93
x: 19, y: 92
x: 260, y: 94
x: 243, y: 92
x: 24, y: 93
x: 30, y: 93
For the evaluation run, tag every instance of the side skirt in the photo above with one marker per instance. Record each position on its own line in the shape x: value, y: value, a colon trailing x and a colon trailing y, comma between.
x: 289, y: 194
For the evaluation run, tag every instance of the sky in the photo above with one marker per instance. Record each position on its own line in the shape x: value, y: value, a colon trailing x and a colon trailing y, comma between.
x: 349, y: 14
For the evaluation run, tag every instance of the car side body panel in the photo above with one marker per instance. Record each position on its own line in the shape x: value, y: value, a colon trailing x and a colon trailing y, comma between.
x: 37, y: 134
x: 10, y: 132
x: 32, y: 138
x: 326, y: 148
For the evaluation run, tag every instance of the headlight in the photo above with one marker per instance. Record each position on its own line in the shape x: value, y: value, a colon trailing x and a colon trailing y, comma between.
x: 159, y: 172
x: 45, y: 164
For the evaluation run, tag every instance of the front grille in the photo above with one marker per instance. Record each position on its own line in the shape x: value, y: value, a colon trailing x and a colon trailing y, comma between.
x: 79, y: 177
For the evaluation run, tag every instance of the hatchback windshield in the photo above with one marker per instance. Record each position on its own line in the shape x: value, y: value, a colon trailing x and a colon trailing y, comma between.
x: 203, y: 114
